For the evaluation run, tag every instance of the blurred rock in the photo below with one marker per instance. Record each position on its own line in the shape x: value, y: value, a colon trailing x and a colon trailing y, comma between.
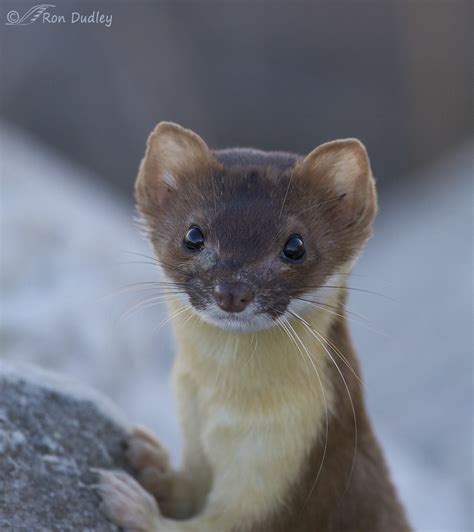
x: 49, y: 440
x: 75, y: 284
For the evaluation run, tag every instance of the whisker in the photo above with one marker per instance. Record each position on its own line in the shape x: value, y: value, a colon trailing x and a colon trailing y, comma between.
x: 353, y: 288
x: 290, y: 181
x: 142, y: 305
x: 284, y: 327
x: 341, y: 196
x: 318, y: 337
x: 325, y: 408
x: 347, y: 274
x: 237, y: 342
x: 318, y: 305
x: 254, y: 337
x: 220, y: 362
x: 174, y: 316
x: 151, y: 257
x: 160, y: 283
x: 157, y: 261
x: 341, y: 356
x: 124, y: 263
x: 139, y: 307
x: 141, y: 287
x: 361, y: 316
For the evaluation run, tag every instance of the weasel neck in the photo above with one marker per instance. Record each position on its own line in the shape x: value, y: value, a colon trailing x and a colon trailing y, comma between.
x: 299, y: 346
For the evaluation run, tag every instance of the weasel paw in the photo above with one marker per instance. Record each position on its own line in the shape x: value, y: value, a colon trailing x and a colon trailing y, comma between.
x: 150, y: 460
x: 144, y: 450
x: 126, y: 503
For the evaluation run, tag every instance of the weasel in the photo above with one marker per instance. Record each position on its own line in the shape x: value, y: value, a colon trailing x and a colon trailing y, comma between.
x: 256, y: 248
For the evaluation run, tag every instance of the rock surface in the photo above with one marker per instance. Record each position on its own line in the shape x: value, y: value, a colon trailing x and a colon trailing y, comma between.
x: 50, y: 439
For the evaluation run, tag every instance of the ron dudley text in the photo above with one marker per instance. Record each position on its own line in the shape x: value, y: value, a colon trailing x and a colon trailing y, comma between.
x: 96, y: 17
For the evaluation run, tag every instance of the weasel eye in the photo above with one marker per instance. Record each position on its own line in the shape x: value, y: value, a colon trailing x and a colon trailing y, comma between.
x: 294, y: 249
x: 194, y: 239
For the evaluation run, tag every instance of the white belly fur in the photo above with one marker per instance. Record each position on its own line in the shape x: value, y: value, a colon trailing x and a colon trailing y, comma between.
x: 260, y: 403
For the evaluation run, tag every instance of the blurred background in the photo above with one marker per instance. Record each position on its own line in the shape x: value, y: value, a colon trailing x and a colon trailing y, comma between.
x: 77, y: 103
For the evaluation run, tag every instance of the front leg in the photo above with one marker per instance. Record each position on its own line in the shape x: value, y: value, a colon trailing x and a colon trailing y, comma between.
x: 174, y: 490
x: 253, y: 471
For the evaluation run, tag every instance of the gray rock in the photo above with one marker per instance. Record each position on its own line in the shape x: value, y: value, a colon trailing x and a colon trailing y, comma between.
x: 50, y: 438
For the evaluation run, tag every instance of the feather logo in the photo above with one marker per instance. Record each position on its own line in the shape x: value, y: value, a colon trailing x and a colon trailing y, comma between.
x: 32, y: 15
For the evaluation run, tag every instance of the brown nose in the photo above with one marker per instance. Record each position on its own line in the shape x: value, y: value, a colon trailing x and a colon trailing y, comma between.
x: 233, y: 297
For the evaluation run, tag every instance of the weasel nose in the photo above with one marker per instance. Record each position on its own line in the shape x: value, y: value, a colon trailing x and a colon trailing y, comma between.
x: 233, y: 297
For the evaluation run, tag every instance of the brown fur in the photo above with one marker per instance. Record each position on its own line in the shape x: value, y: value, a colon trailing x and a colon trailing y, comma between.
x: 370, y: 502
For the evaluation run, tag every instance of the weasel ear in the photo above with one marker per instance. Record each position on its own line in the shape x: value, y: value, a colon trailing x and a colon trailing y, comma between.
x: 173, y: 153
x: 342, y: 168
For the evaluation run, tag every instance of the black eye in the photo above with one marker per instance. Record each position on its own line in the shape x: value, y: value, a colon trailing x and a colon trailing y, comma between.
x: 194, y: 239
x: 294, y: 249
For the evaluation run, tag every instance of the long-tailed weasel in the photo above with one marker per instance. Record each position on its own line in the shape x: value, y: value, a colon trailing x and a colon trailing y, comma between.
x: 256, y: 247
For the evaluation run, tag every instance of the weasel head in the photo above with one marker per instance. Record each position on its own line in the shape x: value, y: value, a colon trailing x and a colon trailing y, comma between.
x: 246, y: 237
